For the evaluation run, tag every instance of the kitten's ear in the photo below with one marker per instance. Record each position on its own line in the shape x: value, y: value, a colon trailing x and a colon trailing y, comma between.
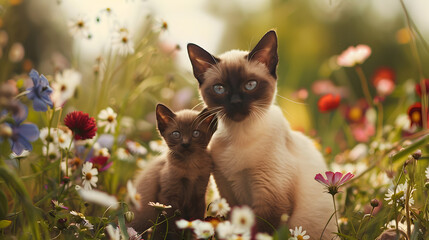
x: 209, y: 118
x: 163, y: 117
x: 266, y: 52
x: 201, y: 61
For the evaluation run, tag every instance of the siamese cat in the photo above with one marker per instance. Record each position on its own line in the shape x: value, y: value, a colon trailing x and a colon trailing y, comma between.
x: 180, y: 176
x: 259, y: 160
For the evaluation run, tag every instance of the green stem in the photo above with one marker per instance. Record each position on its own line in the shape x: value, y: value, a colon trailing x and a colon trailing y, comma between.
x: 379, y: 120
x: 326, y: 225
x: 336, y: 218
x: 364, y: 84
x: 154, y: 227
x: 366, y: 225
x: 67, y: 155
x: 407, y: 210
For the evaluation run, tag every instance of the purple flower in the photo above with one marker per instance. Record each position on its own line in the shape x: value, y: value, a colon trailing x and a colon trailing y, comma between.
x: 40, y: 92
x: 333, y: 181
x: 22, y: 134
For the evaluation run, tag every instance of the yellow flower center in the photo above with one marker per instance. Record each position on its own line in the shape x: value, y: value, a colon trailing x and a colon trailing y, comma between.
x: 355, y: 114
x: 63, y: 88
x: 88, y: 176
x: 124, y: 39
x: 243, y: 221
x: 80, y: 24
x: 137, y: 196
x: 415, y: 117
x: 110, y: 119
x: 300, y: 237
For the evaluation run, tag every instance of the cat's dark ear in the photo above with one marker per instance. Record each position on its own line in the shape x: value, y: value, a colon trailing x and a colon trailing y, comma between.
x: 266, y: 52
x: 201, y: 60
x: 209, y: 118
x: 164, y: 116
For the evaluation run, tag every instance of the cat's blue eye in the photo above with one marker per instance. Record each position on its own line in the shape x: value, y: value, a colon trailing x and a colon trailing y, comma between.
x: 219, y: 89
x: 196, y: 133
x: 250, y: 85
x: 175, y: 134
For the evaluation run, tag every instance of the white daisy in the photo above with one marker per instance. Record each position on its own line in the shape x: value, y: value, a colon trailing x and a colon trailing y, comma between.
x: 220, y: 207
x: 79, y: 27
x: 133, y: 194
x: 89, y: 176
x: 107, y: 119
x: 136, y: 148
x: 64, y: 139
x: 159, y: 206
x: 298, y: 233
x: 158, y: 146
x: 100, y: 151
x: 401, y: 192
x: 114, y: 233
x: 242, y: 218
x: 203, y: 230
x: 263, y: 236
x: 98, y: 197
x: 122, y: 41
x: 53, y: 154
x: 123, y: 154
x: 184, y: 224
x: 64, y: 86
x: 427, y: 173
x: 224, y: 230
x: 52, y: 138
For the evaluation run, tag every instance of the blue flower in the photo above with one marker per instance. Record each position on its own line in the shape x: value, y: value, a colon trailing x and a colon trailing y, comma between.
x: 40, y: 92
x: 22, y: 134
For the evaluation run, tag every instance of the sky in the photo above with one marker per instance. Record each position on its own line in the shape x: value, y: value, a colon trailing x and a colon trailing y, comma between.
x: 189, y: 20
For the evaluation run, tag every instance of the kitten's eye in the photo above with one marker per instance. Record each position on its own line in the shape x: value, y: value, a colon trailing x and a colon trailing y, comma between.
x: 175, y: 134
x: 219, y: 89
x: 196, y: 134
x: 250, y: 85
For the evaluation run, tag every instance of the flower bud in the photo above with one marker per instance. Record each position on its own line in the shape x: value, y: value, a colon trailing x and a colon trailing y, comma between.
x: 374, y: 203
x: 417, y: 154
x: 129, y: 216
x: 5, y: 131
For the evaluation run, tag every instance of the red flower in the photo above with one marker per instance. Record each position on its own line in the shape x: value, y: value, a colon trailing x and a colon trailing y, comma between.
x: 328, y: 102
x: 384, y: 81
x: 82, y: 126
x: 100, y: 162
x: 419, y: 87
x: 415, y: 114
x: 356, y: 113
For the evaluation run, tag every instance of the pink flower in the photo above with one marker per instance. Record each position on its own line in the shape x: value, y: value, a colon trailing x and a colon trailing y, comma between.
x: 333, y: 180
x: 354, y: 55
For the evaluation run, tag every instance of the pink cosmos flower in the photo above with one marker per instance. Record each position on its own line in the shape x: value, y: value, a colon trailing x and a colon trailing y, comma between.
x: 333, y: 180
x: 354, y: 55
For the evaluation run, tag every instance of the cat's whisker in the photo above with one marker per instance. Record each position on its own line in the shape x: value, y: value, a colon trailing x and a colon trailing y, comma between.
x: 199, y: 104
x: 290, y: 100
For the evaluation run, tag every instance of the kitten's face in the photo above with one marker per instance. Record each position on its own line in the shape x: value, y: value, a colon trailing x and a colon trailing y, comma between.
x: 238, y: 84
x: 186, y: 131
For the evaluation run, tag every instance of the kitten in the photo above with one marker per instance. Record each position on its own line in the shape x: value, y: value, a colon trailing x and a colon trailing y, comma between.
x: 179, y: 177
x: 258, y: 160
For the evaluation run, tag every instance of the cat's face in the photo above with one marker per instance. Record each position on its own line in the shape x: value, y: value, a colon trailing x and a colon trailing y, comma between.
x: 185, y: 131
x: 237, y: 84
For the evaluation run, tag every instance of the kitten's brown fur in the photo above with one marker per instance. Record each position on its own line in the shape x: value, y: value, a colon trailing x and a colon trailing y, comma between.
x: 180, y: 176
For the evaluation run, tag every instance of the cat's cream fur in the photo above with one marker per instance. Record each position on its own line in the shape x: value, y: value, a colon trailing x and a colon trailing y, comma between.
x: 260, y: 161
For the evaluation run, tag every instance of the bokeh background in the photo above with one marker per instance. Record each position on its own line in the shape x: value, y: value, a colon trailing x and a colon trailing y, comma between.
x: 131, y: 75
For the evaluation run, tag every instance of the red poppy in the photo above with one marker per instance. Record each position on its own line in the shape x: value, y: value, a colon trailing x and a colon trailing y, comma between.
x: 419, y: 87
x: 328, y: 102
x: 100, y: 162
x: 82, y: 126
x: 415, y: 114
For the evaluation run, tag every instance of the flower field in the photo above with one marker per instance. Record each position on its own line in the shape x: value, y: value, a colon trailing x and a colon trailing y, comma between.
x: 77, y: 124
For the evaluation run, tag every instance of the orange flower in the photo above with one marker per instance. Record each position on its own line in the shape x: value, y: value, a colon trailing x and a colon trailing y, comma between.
x: 328, y: 102
x: 384, y: 81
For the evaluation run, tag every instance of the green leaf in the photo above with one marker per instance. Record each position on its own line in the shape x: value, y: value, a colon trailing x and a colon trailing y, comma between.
x: 3, y: 205
x: 4, y: 223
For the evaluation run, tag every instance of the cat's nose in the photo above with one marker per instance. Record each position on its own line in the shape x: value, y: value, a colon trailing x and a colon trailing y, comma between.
x: 235, y: 98
x: 185, y: 145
